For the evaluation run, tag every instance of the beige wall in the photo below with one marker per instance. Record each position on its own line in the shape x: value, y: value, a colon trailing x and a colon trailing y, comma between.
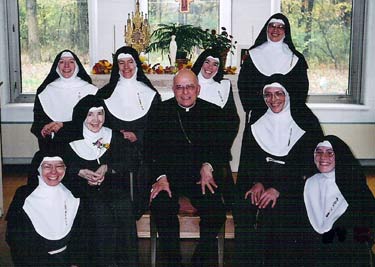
x: 19, y: 144
x: 360, y: 137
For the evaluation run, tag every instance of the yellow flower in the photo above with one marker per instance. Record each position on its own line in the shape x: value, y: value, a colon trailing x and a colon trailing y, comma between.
x: 142, y: 58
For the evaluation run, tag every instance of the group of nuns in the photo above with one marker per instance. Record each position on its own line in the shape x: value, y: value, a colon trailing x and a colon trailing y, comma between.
x: 300, y: 197
x: 90, y: 145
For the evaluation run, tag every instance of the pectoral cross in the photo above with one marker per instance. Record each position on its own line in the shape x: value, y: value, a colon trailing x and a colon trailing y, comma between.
x: 184, y: 5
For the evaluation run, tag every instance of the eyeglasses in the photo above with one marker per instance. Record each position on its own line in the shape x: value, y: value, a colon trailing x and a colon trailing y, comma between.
x: 328, y: 153
x: 50, y: 167
x: 275, y: 26
x: 277, y: 95
x: 189, y: 87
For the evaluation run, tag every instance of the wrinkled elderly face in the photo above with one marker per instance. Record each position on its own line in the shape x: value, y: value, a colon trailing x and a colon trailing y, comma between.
x: 210, y: 67
x: 127, y: 67
x: 186, y: 88
x: 95, y: 119
x: 53, y: 172
x: 275, y: 98
x: 276, y: 31
x: 325, y: 159
x: 67, y: 66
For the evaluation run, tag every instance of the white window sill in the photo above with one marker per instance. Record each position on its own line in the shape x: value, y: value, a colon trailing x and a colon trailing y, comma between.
x: 343, y: 113
x: 17, y: 112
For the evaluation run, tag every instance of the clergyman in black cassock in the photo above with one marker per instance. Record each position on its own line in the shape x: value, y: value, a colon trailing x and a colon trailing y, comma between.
x: 185, y: 151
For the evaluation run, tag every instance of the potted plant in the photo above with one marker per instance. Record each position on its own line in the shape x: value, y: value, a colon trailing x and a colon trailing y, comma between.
x: 223, y: 42
x: 187, y: 38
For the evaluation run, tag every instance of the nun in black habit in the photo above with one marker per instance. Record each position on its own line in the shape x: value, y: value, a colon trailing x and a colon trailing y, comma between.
x: 99, y: 161
x: 45, y: 221
x: 340, y: 208
x: 129, y: 97
x: 277, y: 144
x: 209, y: 69
x: 273, y: 52
x: 66, y: 83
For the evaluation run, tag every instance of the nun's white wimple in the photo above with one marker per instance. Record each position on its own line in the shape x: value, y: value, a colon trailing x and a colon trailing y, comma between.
x: 277, y: 21
x: 95, y: 109
x: 56, y: 158
x: 325, y: 143
x: 213, y: 58
x: 66, y: 54
x: 123, y: 55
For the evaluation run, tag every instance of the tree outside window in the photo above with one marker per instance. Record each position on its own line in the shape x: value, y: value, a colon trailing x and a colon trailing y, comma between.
x: 321, y: 30
x: 45, y: 28
x: 203, y: 13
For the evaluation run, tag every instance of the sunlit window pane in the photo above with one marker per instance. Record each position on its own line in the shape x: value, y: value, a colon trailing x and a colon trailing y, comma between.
x: 321, y: 30
x: 203, y: 13
x: 47, y: 27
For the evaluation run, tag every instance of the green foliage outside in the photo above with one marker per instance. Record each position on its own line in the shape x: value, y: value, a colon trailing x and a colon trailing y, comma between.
x: 329, y: 41
x: 62, y: 24
x: 323, y: 36
x: 203, y: 14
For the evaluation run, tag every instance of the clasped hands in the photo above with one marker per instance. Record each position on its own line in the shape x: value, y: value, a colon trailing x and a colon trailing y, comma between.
x: 94, y: 178
x: 261, y: 197
x: 129, y: 135
x: 52, y: 127
x: 207, y: 180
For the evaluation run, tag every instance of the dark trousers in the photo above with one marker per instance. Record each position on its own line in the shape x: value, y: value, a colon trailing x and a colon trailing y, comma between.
x: 212, y: 217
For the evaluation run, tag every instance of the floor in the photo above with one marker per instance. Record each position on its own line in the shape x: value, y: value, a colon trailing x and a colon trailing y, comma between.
x: 14, y: 176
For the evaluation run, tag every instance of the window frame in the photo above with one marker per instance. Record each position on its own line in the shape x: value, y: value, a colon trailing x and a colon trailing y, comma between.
x: 355, y: 95
x: 15, y: 80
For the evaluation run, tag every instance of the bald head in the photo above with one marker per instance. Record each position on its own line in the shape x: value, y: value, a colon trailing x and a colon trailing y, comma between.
x: 186, y: 88
x: 185, y: 73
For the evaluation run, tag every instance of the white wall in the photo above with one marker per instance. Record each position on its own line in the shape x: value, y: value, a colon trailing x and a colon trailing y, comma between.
x: 107, y: 29
x: 248, y: 17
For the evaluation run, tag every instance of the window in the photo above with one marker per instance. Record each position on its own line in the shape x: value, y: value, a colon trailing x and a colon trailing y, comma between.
x: 202, y: 13
x: 329, y: 34
x: 335, y: 62
x: 45, y: 27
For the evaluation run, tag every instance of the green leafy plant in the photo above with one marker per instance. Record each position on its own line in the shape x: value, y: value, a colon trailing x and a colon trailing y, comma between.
x: 223, y: 42
x: 187, y: 38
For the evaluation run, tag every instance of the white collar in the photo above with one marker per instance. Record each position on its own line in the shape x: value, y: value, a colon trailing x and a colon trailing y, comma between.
x: 187, y: 109
x: 93, y: 145
x: 324, y: 201
x: 273, y: 57
x: 214, y: 92
x: 130, y: 100
x: 277, y: 133
x: 60, y: 96
x: 51, y: 209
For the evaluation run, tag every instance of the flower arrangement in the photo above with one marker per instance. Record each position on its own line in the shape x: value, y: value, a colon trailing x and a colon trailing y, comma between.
x: 103, y: 66
x: 222, y: 42
x: 98, y: 143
